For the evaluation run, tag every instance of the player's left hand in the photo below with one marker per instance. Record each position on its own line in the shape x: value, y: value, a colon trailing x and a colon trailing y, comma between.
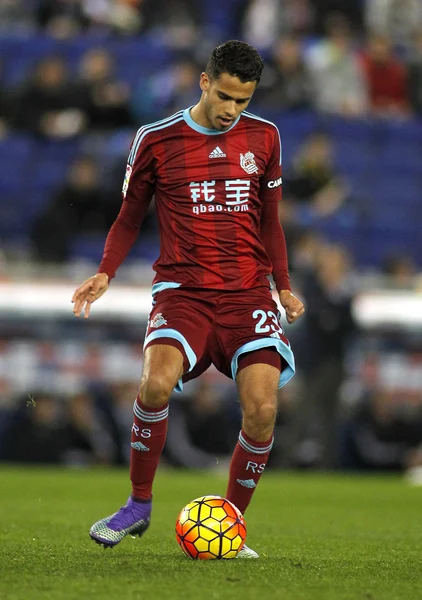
x: 293, y: 306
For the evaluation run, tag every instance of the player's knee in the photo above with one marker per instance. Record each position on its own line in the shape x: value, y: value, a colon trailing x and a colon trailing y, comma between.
x: 260, y: 415
x: 156, y: 388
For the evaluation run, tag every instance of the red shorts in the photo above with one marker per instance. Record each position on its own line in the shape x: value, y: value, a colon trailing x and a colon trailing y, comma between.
x: 218, y: 327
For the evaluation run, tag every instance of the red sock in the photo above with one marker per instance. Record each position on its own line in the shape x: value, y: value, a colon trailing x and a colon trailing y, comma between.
x: 148, y: 437
x: 247, y: 464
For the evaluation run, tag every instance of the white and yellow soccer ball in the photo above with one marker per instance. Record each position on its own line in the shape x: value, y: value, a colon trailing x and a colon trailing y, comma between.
x: 210, y: 527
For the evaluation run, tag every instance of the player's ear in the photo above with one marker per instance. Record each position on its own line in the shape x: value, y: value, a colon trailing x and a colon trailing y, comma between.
x: 204, y: 82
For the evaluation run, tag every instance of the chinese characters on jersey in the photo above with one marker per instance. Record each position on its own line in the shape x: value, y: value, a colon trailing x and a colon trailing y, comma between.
x: 235, y: 199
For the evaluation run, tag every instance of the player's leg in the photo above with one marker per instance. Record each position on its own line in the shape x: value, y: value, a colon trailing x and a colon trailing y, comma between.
x: 257, y: 387
x: 167, y: 355
x: 253, y: 351
x: 163, y: 367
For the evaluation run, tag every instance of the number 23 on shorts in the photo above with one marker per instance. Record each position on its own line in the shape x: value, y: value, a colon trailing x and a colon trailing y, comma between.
x: 263, y: 326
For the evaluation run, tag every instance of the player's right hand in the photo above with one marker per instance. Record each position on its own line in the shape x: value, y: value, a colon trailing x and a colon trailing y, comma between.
x: 87, y: 293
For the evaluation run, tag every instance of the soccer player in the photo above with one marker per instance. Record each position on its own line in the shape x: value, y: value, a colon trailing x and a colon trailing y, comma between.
x: 215, y: 171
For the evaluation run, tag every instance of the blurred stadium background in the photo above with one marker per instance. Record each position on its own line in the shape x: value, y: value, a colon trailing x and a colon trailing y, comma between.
x: 343, y: 82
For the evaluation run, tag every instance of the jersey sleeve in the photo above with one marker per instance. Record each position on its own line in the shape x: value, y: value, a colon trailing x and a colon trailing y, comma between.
x: 138, y: 190
x: 272, y: 234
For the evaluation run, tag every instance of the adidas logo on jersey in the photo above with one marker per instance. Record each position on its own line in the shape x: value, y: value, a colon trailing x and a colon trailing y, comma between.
x: 217, y: 153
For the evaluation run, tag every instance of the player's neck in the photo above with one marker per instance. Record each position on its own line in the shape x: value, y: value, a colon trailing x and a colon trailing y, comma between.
x: 198, y: 115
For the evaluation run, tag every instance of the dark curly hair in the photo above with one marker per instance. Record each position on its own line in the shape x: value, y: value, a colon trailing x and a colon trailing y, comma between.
x: 238, y: 59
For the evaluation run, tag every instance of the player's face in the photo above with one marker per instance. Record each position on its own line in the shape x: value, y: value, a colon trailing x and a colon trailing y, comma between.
x: 224, y: 99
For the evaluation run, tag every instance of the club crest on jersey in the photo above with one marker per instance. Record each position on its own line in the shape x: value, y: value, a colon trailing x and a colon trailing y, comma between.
x: 248, y: 164
x: 126, y: 180
x: 158, y: 321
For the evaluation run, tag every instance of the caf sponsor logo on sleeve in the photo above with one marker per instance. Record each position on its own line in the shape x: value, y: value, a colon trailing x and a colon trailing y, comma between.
x: 126, y: 180
x: 248, y: 164
x: 275, y: 183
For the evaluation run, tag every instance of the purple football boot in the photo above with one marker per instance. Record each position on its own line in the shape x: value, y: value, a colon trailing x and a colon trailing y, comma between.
x: 132, y: 519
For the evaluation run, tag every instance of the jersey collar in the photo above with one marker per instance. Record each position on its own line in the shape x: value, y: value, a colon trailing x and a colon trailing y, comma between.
x: 204, y: 130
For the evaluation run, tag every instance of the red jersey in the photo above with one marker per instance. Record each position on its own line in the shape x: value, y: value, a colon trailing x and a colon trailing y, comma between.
x: 216, y: 194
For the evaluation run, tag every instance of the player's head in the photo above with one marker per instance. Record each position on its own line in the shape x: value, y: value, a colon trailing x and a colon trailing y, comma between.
x: 232, y: 73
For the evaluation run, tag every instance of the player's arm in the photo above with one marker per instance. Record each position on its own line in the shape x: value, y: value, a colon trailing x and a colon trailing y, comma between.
x: 272, y: 234
x: 138, y: 190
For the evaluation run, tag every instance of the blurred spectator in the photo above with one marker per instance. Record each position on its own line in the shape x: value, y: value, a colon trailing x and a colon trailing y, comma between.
x: 350, y: 10
x: 6, y: 104
x: 85, y: 434
x: 262, y: 22
x: 118, y: 16
x: 62, y: 18
x: 287, y: 84
x: 400, y: 271
x: 178, y: 21
x: 16, y: 17
x: 287, y: 215
x: 338, y: 81
x: 203, y: 428
x: 80, y: 206
x: 386, y: 78
x: 67, y: 18
x: 382, y: 433
x: 33, y: 434
x: 398, y: 20
x: 312, y: 179
x: 166, y: 92
x: 49, y: 104
x: 118, y: 407
x: 415, y: 75
x: 7, y: 408
x: 105, y: 98
x: 329, y: 327
x: 414, y: 465
x: 303, y: 253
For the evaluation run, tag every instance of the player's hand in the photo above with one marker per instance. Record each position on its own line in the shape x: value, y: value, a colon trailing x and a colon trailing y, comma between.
x: 91, y: 289
x: 293, y: 306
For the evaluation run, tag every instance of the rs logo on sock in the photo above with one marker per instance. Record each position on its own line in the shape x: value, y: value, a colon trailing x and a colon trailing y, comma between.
x: 145, y: 433
x: 255, y: 467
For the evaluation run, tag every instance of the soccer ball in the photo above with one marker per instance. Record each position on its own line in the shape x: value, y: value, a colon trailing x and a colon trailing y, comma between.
x: 210, y: 527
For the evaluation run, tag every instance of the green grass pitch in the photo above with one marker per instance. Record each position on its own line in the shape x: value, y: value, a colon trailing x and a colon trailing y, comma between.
x: 331, y: 537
